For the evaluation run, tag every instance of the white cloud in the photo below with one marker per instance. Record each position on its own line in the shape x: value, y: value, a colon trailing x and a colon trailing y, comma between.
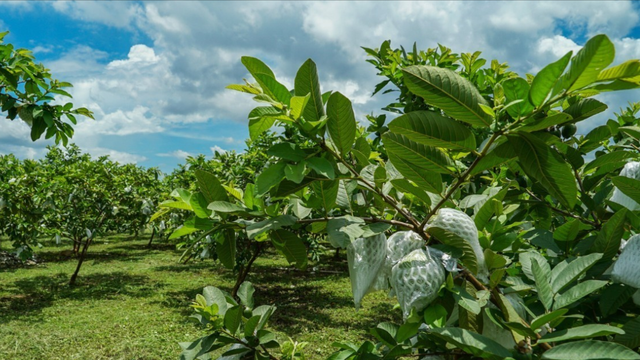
x: 117, y: 14
x: 218, y: 149
x: 119, y: 156
x: 178, y: 154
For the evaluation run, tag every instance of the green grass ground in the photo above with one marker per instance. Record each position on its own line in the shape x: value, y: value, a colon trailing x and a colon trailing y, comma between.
x: 132, y: 302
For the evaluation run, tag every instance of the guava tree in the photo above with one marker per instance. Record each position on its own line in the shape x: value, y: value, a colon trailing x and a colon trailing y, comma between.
x: 504, y: 242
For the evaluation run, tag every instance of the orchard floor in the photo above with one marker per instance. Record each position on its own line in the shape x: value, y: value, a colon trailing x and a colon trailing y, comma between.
x: 131, y: 302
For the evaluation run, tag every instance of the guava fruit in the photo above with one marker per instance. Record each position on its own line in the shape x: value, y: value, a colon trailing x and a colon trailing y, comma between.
x: 569, y: 130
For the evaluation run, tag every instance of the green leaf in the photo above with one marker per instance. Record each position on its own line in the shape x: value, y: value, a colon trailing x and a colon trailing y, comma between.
x: 544, y: 164
x: 210, y: 186
x: 542, y: 284
x: 581, y: 332
x: 445, y: 89
x: 467, y: 301
x: 633, y: 131
x: 194, y: 350
x: 273, y: 88
x: 590, y: 350
x: 552, y: 120
x: 423, y: 157
x: 468, y: 258
x: 627, y: 69
x: 546, y: 80
x: 539, y: 321
x: 613, y: 297
x: 585, y: 67
x: 275, y: 223
x: 270, y: 177
x: 233, y: 319
x: 517, y: 89
x: 245, y: 294
x: 628, y: 186
x: 472, y: 343
x: 609, y: 238
x: 631, y: 337
x: 611, y: 160
x: 435, y: 316
x: 408, y: 188
x: 341, y: 122
x: 306, y: 82
x: 291, y: 246
x: 499, y: 155
x: 295, y: 173
x: 322, y: 166
x: 425, y: 179
x: 261, y: 119
x: 578, y: 292
x: 298, y: 104
x: 431, y: 129
x: 327, y: 192
x: 567, y: 272
x: 213, y: 295
x: 585, y: 108
x: 226, y: 207
x: 287, y: 151
x: 341, y: 231
x: 226, y: 248
x: 256, y: 66
x: 199, y: 205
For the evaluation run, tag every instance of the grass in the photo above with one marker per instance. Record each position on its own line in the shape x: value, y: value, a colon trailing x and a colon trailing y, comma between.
x: 131, y: 302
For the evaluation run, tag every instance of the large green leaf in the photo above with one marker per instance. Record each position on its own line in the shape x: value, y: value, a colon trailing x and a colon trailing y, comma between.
x: 546, y: 79
x: 517, y: 89
x: 425, y: 179
x: 545, y: 165
x: 585, y: 108
x: 210, y: 186
x: 499, y: 155
x: 551, y: 120
x: 628, y: 186
x: 273, y: 88
x: 408, y: 188
x: 595, y: 56
x: 611, y: 160
x: 261, y: 119
x: 631, y: 337
x: 566, y: 272
x: 291, y: 246
x: 472, y: 343
x: 581, y: 332
x: 627, y: 69
x: 445, y: 89
x: 270, y: 177
x: 539, y: 321
x: 590, y: 350
x: 341, y: 122
x: 270, y: 224
x: 613, y: 297
x: 432, y: 129
x: 542, y: 284
x: 327, y: 192
x: 578, y: 292
x: 609, y: 238
x: 226, y: 249
x: 256, y: 66
x: 421, y: 156
x: 306, y: 82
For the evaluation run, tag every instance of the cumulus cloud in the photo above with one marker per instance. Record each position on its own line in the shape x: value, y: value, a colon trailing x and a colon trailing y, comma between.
x: 178, y: 154
x: 217, y: 149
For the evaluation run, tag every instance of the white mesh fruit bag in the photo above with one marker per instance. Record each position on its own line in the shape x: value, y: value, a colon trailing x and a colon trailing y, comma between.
x: 366, y: 256
x: 462, y: 225
x: 416, y: 279
x: 399, y: 245
x: 630, y: 170
x: 626, y: 269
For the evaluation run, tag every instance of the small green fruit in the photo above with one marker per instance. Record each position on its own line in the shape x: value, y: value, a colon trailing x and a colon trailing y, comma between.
x: 247, y: 313
x: 569, y: 130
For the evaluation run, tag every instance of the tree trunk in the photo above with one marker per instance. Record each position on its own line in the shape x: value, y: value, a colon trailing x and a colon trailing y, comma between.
x: 72, y: 281
x: 242, y: 275
x: 152, y: 235
x: 336, y: 256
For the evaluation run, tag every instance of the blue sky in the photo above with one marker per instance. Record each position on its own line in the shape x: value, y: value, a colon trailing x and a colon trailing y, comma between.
x: 154, y: 72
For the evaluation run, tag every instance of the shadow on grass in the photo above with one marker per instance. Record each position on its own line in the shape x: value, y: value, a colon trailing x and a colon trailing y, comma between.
x: 97, y: 257
x: 32, y: 295
x: 144, y: 247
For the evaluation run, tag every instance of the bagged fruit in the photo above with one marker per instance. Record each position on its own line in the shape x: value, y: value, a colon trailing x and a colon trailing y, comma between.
x: 462, y: 225
x: 630, y: 170
x: 416, y: 279
x: 626, y: 269
x: 366, y: 256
